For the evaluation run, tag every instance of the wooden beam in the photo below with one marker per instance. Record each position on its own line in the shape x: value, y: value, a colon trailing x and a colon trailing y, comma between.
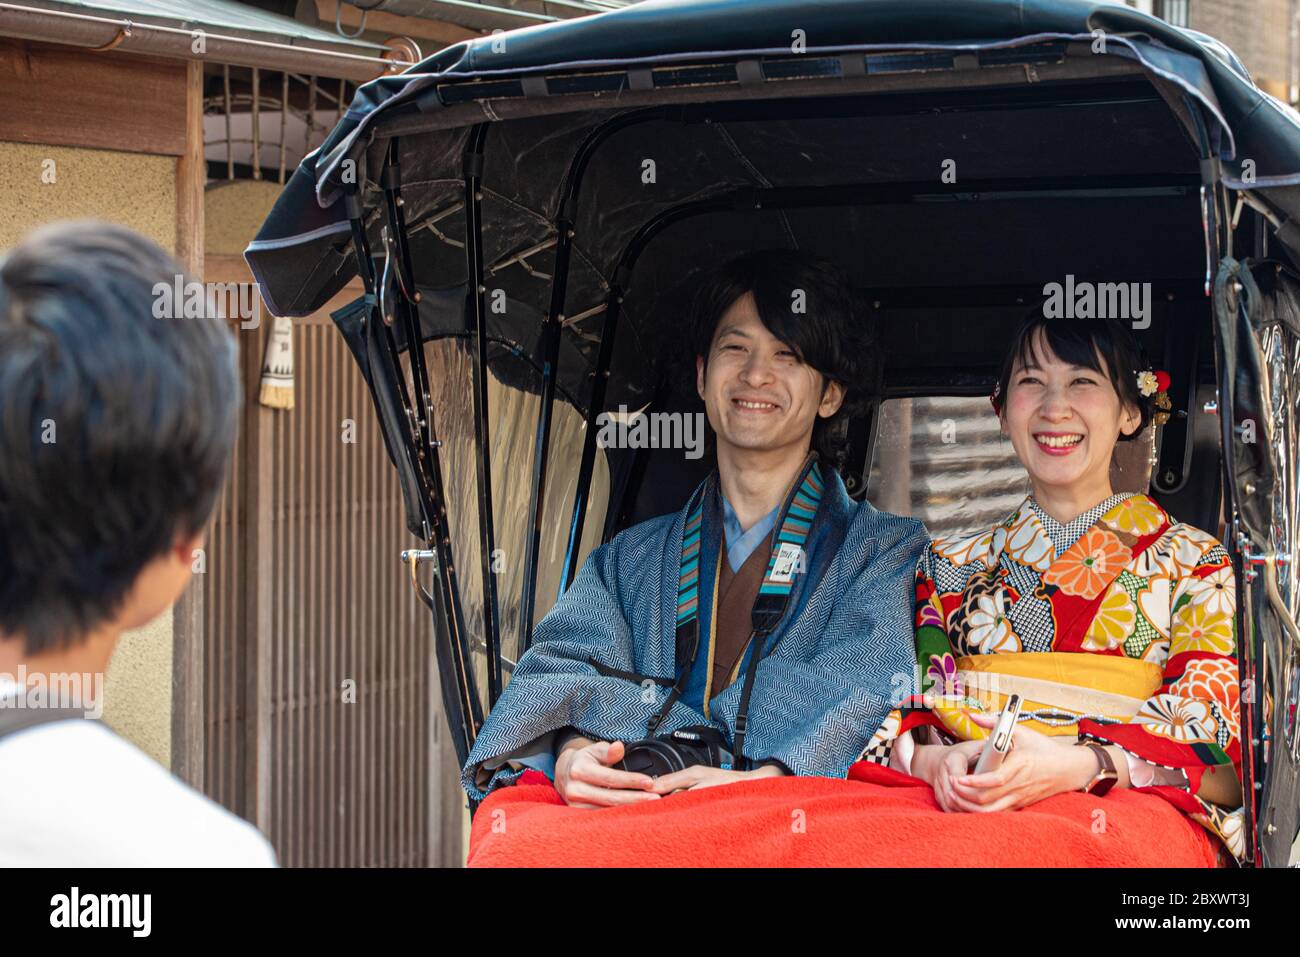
x: 257, y: 574
x: 254, y: 573
x: 191, y: 175
x: 61, y: 96
x: 188, y: 716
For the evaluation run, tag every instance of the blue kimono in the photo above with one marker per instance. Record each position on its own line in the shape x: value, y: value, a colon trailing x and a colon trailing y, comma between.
x: 840, y: 659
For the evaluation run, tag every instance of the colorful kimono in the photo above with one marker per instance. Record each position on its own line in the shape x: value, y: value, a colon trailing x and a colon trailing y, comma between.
x: 606, y: 656
x: 1116, y: 627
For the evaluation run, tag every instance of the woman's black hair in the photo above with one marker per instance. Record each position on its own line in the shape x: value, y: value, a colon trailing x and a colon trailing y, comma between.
x: 824, y: 333
x: 1106, y: 346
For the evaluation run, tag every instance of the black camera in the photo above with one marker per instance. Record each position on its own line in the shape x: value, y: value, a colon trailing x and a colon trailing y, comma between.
x: 684, y: 748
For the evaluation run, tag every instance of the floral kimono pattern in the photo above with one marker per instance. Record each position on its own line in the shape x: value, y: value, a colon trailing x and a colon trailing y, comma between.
x: 1121, y: 581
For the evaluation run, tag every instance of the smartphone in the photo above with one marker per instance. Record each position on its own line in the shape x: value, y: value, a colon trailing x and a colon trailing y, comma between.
x: 998, y: 742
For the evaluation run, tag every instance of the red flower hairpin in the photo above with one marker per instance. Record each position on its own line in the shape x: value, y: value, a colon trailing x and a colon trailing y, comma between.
x: 1155, y: 382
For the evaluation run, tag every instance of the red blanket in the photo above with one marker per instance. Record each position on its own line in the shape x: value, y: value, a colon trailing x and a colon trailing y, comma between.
x: 876, y: 818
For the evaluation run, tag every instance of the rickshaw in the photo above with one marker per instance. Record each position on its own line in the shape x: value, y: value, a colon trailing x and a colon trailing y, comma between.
x: 531, y: 208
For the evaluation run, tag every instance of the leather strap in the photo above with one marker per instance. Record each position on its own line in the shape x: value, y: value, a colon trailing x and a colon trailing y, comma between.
x: 1106, y: 775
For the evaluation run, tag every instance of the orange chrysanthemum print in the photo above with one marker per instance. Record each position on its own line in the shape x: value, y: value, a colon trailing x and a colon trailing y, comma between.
x: 1089, y: 564
x: 1216, y: 679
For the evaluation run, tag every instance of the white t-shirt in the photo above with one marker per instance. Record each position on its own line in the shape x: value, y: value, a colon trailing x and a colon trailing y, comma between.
x: 74, y: 794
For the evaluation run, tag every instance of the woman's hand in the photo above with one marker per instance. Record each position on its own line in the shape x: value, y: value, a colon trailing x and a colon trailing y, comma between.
x: 941, y: 764
x: 1036, y: 767
x: 700, y: 776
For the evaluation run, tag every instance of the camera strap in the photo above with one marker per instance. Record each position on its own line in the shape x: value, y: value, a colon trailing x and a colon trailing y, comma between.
x: 784, y: 567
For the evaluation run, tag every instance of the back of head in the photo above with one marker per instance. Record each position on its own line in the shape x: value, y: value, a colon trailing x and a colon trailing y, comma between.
x: 116, y: 427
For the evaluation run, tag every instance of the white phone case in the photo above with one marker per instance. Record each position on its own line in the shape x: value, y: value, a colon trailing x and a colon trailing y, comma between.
x: 998, y: 743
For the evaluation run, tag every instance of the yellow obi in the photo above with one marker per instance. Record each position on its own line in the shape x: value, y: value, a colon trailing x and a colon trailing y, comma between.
x: 1072, y: 684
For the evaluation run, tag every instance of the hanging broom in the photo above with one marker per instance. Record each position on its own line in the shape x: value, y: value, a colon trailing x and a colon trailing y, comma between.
x: 277, y: 366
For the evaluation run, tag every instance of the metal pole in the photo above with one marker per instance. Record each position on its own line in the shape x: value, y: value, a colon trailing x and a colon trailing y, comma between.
x: 424, y: 433
x: 594, y: 407
x: 230, y: 145
x: 311, y: 114
x: 256, y: 116
x: 549, y: 347
x: 284, y: 117
x: 458, y: 696
x: 477, y: 315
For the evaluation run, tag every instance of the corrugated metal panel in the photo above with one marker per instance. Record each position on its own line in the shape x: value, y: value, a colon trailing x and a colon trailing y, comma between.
x: 348, y: 783
x: 224, y: 704
x: 941, y: 459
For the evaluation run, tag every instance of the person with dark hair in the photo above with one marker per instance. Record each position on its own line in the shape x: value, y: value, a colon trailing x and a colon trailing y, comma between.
x: 116, y: 431
x: 777, y: 285
x: 766, y: 620
x: 1113, y: 622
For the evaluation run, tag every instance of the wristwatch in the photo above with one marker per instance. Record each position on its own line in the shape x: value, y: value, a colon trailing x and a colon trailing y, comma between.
x: 1106, y: 773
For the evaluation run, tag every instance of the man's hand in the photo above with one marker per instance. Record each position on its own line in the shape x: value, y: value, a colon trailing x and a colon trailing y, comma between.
x: 584, y: 776
x: 701, y: 776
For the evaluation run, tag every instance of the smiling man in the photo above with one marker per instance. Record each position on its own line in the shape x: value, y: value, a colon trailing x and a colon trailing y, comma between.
x: 769, y: 618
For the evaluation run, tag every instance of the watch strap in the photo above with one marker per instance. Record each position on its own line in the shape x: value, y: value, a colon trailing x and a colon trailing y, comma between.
x: 1106, y: 775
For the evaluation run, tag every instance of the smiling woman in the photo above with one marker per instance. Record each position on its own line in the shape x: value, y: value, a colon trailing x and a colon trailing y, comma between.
x: 1113, y: 621
x: 1072, y: 392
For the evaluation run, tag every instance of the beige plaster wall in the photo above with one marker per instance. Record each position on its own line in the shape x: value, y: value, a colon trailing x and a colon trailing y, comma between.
x: 134, y: 189
x: 139, y: 191
x: 233, y: 212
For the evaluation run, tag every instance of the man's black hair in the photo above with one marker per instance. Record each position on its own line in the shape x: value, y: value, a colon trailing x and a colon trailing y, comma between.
x: 116, y: 427
x: 826, y: 334
x: 1087, y: 343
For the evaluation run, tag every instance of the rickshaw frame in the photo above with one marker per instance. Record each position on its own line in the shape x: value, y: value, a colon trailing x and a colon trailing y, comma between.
x: 391, y: 326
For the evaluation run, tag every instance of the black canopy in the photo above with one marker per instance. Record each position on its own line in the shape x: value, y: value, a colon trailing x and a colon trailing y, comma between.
x: 1087, y: 104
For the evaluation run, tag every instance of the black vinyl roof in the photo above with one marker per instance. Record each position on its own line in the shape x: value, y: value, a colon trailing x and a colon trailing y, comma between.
x: 657, y: 47
x: 1070, y: 111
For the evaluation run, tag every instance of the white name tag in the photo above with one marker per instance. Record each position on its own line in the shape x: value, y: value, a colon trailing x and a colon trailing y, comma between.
x: 789, y: 561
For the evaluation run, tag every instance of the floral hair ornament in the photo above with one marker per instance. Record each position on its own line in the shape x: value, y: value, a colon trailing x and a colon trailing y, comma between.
x: 1155, y: 382
x: 995, y: 399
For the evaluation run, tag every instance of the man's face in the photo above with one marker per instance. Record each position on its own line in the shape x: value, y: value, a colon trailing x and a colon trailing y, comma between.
x: 758, y: 393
